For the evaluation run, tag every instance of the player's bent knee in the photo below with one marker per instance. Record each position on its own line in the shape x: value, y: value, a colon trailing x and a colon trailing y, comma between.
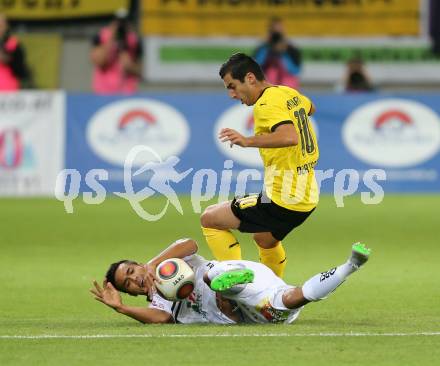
x: 211, y: 217
x: 294, y: 298
x: 207, y: 218
x: 265, y: 240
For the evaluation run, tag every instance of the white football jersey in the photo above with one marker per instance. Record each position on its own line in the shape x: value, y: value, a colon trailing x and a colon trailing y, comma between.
x: 259, y: 302
x: 201, y: 305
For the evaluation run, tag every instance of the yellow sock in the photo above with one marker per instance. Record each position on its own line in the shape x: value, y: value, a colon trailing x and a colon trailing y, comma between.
x: 224, y: 246
x: 274, y: 258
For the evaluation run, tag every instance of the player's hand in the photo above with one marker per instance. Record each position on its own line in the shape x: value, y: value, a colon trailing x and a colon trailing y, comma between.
x: 108, y: 295
x: 234, y: 137
x: 151, y: 278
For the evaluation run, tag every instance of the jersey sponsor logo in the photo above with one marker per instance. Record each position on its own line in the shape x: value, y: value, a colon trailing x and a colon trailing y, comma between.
x: 392, y: 133
x: 194, y: 302
x: 306, y: 168
x: 271, y: 314
x: 114, y: 129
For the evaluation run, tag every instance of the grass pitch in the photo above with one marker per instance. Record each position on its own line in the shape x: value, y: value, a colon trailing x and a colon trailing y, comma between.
x: 386, y: 314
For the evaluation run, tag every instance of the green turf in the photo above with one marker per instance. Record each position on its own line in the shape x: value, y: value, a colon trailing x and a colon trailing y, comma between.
x: 48, y: 259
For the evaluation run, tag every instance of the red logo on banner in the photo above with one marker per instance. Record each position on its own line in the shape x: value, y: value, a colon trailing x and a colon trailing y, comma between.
x: 392, y: 133
x: 133, y: 115
x: 119, y: 126
x: 11, y: 149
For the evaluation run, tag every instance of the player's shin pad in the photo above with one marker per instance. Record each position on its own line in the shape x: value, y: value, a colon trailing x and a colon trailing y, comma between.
x: 274, y: 258
x: 224, y: 246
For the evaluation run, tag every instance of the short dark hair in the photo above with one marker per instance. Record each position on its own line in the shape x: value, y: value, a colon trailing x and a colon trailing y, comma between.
x: 110, y: 275
x: 239, y: 65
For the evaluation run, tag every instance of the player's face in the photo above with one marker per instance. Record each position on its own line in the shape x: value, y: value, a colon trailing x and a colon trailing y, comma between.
x: 131, y: 278
x: 242, y: 91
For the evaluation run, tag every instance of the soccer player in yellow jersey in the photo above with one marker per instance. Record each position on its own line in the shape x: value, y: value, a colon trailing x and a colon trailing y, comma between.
x: 289, y: 150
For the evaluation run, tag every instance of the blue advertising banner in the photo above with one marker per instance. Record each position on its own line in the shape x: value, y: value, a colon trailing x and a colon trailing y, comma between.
x: 360, y: 135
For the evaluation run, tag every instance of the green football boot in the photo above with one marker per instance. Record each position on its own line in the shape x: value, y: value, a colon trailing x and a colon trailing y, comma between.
x: 232, y: 278
x: 359, y: 255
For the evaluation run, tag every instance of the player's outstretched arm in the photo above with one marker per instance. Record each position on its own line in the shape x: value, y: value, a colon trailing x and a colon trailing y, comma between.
x: 179, y: 249
x: 146, y: 315
x: 111, y: 297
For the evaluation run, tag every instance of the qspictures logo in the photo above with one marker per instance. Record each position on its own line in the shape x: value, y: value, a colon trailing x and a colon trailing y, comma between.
x: 160, y: 179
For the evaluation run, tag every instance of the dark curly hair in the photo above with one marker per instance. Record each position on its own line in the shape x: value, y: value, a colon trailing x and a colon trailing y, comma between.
x: 110, y: 275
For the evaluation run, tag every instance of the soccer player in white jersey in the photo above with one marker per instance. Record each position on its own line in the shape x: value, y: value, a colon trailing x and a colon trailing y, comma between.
x: 228, y: 292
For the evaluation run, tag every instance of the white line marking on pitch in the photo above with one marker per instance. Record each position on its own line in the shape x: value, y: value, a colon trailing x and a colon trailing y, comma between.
x: 109, y: 336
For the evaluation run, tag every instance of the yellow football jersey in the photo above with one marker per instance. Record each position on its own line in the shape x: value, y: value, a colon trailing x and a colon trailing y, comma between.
x: 289, y: 174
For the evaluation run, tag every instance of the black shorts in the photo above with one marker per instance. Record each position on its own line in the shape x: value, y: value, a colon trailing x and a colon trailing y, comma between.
x: 257, y: 217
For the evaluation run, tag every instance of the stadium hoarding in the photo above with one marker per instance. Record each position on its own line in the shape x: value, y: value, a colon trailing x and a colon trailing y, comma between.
x: 318, y: 18
x: 44, y: 9
x: 358, y: 134
x: 31, y: 142
x: 198, y: 59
